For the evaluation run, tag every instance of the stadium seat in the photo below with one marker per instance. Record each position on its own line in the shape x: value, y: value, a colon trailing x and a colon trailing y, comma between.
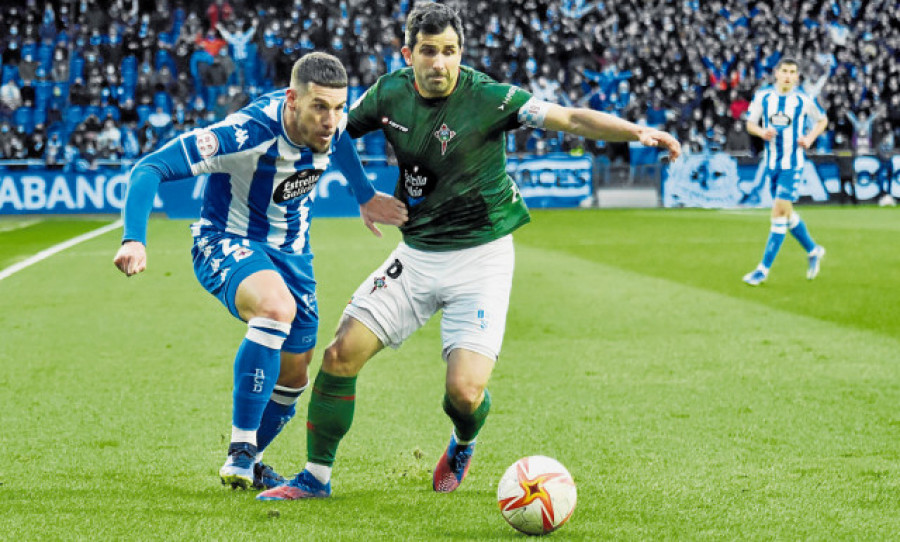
x: 45, y: 56
x: 24, y: 116
x: 73, y: 116
x: 164, y: 100
x: 93, y: 110
x: 110, y: 111
x: 143, y: 112
x: 40, y: 116
x: 76, y: 67
x: 10, y: 71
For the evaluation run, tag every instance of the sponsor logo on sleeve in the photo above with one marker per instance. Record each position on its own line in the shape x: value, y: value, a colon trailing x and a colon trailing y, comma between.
x: 240, y: 136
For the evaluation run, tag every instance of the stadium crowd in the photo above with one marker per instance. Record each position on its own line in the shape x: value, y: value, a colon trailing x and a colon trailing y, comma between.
x: 90, y: 80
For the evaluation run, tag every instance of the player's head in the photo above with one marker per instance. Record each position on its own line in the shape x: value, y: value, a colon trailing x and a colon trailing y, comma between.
x: 787, y: 74
x: 315, y: 100
x: 434, y: 37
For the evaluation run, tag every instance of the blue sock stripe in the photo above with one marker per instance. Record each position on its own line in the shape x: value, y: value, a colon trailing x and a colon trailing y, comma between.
x: 801, y: 234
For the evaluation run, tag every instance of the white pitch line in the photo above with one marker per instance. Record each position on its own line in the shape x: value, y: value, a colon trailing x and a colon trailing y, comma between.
x: 46, y: 253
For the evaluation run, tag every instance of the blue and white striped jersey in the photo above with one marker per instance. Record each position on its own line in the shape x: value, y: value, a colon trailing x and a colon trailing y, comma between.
x: 261, y: 185
x: 788, y: 114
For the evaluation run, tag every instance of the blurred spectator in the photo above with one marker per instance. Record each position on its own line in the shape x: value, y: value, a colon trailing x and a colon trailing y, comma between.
x: 239, y: 40
x: 53, y: 157
x: 161, y: 121
x: 219, y: 10
x: 10, y: 98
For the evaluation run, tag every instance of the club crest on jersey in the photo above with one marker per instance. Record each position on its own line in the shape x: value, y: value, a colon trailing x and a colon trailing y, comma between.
x: 297, y: 185
x: 444, y: 135
x: 379, y: 283
x: 780, y: 120
x: 207, y: 144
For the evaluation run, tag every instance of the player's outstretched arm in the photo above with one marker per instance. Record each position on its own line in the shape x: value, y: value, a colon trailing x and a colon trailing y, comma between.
x: 602, y: 126
x: 165, y: 164
x: 131, y: 258
x: 384, y: 209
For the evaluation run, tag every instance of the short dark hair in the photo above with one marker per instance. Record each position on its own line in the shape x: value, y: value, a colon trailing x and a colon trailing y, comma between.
x: 788, y: 60
x: 431, y: 18
x: 319, y: 68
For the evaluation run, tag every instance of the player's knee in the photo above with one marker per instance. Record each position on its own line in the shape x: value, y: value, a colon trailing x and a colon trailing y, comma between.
x: 338, y: 359
x: 466, y: 397
x: 276, y: 308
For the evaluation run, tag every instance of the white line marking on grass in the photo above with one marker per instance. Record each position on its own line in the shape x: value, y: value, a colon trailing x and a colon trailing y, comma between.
x: 13, y: 225
x: 46, y: 253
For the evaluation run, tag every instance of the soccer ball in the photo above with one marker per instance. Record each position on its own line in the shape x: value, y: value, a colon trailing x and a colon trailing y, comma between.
x: 536, y: 495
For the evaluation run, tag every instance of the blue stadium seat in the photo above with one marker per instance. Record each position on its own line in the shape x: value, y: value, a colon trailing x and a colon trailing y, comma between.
x: 143, y: 112
x: 76, y: 67
x: 40, y: 116
x: 10, y: 71
x: 24, y: 116
x: 92, y: 110
x: 45, y: 56
x: 110, y: 111
x: 73, y: 116
x: 162, y: 99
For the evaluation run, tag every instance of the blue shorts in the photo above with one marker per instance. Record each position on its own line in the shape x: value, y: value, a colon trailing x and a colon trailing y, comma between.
x: 222, y: 261
x: 783, y: 183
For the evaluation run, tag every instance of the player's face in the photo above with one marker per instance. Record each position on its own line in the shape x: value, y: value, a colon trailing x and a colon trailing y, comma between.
x: 312, y: 116
x: 786, y: 76
x: 435, y: 62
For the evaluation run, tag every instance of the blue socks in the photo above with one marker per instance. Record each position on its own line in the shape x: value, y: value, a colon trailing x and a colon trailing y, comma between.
x: 800, y: 233
x: 279, y: 411
x: 256, y: 368
x: 776, y: 237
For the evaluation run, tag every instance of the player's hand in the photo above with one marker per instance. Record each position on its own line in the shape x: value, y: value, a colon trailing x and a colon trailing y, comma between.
x: 383, y: 209
x: 131, y: 258
x: 804, y: 142
x: 768, y: 134
x: 658, y: 138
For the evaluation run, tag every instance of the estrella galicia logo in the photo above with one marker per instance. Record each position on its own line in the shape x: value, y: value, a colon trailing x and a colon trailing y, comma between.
x: 780, y: 121
x: 297, y: 185
x: 417, y: 183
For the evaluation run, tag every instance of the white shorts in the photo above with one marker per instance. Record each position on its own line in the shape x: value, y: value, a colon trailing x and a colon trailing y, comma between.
x: 470, y: 285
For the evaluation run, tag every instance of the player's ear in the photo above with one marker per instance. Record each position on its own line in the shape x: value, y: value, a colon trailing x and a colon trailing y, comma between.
x: 407, y: 55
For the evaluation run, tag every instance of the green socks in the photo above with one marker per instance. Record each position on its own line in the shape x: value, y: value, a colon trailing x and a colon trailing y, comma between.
x: 331, y: 407
x: 468, y: 425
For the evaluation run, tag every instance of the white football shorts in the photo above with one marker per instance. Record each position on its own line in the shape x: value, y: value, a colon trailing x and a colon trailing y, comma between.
x: 471, y: 286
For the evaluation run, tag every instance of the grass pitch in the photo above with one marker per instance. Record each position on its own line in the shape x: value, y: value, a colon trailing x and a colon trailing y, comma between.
x: 686, y: 404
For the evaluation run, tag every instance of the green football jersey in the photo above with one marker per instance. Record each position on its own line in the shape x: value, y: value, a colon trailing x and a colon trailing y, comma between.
x: 452, y: 156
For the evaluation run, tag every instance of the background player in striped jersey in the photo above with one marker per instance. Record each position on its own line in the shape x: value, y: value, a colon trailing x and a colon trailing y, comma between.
x: 446, y: 124
x: 251, y: 244
x: 778, y: 115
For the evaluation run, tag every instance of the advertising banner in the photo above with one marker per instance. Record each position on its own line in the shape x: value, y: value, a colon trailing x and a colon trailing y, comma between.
x: 543, y: 182
x: 718, y: 180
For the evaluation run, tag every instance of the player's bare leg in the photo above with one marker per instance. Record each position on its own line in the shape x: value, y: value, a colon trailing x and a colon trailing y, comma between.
x: 265, y: 303
x: 331, y: 409
x: 467, y: 402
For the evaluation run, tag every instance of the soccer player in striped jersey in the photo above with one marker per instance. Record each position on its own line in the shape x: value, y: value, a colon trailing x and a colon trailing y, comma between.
x: 779, y: 115
x: 447, y: 125
x: 251, y: 244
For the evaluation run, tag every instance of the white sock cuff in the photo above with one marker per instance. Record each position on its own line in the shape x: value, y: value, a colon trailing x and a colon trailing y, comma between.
x: 268, y: 323
x: 286, y: 396
x: 266, y: 332
x: 794, y: 220
x: 322, y: 473
x: 780, y: 224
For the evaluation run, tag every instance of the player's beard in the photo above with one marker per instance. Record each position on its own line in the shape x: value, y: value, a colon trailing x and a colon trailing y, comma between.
x: 437, y: 86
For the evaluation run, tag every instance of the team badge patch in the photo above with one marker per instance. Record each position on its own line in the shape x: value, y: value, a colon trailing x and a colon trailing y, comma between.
x: 207, y: 144
x: 444, y: 135
x: 379, y: 283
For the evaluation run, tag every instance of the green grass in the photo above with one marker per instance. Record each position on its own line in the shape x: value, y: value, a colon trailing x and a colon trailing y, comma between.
x: 686, y: 404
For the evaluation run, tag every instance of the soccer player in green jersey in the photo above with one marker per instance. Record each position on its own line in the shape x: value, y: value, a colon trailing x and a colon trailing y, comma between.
x: 447, y: 125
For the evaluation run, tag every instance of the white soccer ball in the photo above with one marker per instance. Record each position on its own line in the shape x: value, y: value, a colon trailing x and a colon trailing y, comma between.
x: 887, y: 200
x: 536, y: 495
